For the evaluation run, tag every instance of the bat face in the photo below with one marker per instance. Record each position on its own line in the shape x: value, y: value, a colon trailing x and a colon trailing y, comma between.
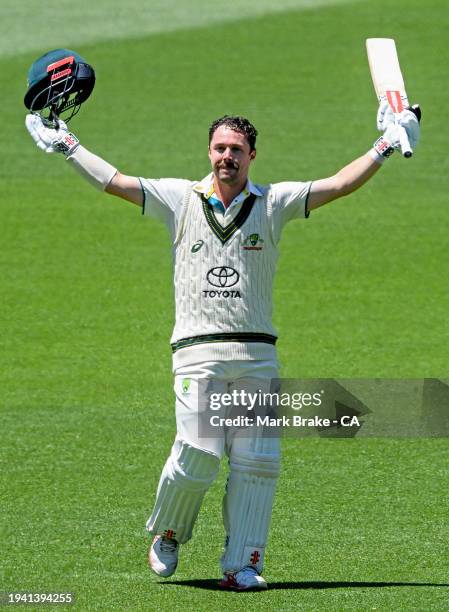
x: 386, y: 72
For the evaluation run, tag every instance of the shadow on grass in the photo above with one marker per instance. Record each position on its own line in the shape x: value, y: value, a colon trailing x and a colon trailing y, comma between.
x: 213, y: 585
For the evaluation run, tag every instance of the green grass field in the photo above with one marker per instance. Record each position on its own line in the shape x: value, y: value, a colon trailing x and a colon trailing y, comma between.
x: 86, y: 306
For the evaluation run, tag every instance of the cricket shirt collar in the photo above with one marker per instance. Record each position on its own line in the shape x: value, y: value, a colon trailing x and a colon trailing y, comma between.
x: 206, y: 187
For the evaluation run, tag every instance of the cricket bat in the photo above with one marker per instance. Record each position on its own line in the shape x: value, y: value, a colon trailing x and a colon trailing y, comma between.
x: 387, y: 79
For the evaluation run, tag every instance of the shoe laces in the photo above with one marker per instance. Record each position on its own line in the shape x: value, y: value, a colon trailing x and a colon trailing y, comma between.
x: 168, y: 545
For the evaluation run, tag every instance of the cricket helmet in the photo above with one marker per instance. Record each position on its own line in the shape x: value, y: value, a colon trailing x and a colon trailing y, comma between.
x: 58, y: 82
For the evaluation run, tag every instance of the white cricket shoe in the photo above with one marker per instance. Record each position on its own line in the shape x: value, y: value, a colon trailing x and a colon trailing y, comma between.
x: 163, y: 556
x: 245, y: 580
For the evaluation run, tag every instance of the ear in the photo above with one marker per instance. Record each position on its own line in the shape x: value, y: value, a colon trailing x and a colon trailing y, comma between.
x: 252, y: 155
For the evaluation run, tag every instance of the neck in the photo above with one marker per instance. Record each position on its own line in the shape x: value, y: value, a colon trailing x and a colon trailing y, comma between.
x: 227, y: 193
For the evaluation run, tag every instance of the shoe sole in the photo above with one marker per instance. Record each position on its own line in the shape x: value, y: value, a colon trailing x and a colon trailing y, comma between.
x: 228, y: 587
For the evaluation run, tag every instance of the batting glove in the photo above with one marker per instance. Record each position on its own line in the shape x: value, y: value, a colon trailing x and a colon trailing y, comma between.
x: 51, y: 140
x: 409, y: 119
x: 385, y: 116
x: 391, y: 124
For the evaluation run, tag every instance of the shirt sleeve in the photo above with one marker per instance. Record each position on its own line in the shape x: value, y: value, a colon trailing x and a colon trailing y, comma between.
x: 289, y: 202
x: 162, y: 199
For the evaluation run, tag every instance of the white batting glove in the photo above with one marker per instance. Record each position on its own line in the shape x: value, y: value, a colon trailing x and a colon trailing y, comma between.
x: 409, y: 120
x: 385, y: 116
x: 393, y: 125
x: 49, y: 139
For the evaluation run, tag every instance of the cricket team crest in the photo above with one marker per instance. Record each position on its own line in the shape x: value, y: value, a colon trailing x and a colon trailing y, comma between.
x: 186, y: 385
x: 254, y: 242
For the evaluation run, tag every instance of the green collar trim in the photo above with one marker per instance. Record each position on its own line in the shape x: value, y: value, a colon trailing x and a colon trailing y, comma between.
x: 225, y: 233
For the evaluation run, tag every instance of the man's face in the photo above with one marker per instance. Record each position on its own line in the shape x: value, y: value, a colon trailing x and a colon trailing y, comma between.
x: 230, y: 155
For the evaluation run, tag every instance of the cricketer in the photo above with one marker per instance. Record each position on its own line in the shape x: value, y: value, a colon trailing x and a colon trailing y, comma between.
x: 225, y: 232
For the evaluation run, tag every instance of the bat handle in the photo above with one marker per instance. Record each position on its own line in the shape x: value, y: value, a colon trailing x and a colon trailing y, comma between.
x: 405, y: 145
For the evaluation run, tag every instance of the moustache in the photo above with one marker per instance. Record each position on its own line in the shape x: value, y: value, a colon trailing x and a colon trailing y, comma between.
x: 228, y: 164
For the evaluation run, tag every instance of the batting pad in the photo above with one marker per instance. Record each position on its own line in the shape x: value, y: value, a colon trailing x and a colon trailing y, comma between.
x: 187, y: 474
x: 248, y: 502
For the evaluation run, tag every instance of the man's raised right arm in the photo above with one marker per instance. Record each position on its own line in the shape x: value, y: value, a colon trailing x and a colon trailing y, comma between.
x: 126, y: 187
x: 97, y: 171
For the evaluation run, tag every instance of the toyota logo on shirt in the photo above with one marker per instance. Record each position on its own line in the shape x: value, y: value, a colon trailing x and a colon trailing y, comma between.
x: 223, y: 276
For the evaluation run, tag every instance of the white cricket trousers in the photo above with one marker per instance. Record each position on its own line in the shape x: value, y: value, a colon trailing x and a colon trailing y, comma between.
x: 193, y: 464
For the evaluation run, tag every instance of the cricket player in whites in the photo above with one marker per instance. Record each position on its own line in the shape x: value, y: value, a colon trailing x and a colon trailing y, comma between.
x: 225, y: 232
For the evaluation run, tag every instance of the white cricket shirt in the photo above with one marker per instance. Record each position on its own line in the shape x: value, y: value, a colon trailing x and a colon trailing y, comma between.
x: 224, y: 264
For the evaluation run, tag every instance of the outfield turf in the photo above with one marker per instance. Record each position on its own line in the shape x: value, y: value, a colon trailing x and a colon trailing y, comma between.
x: 86, y: 305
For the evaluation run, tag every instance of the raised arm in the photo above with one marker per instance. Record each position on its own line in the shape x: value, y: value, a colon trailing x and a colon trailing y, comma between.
x: 126, y: 187
x: 347, y: 180
x: 358, y: 172
x: 94, y: 169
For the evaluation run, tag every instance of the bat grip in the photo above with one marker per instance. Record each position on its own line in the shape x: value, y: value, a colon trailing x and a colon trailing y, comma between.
x: 405, y: 145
